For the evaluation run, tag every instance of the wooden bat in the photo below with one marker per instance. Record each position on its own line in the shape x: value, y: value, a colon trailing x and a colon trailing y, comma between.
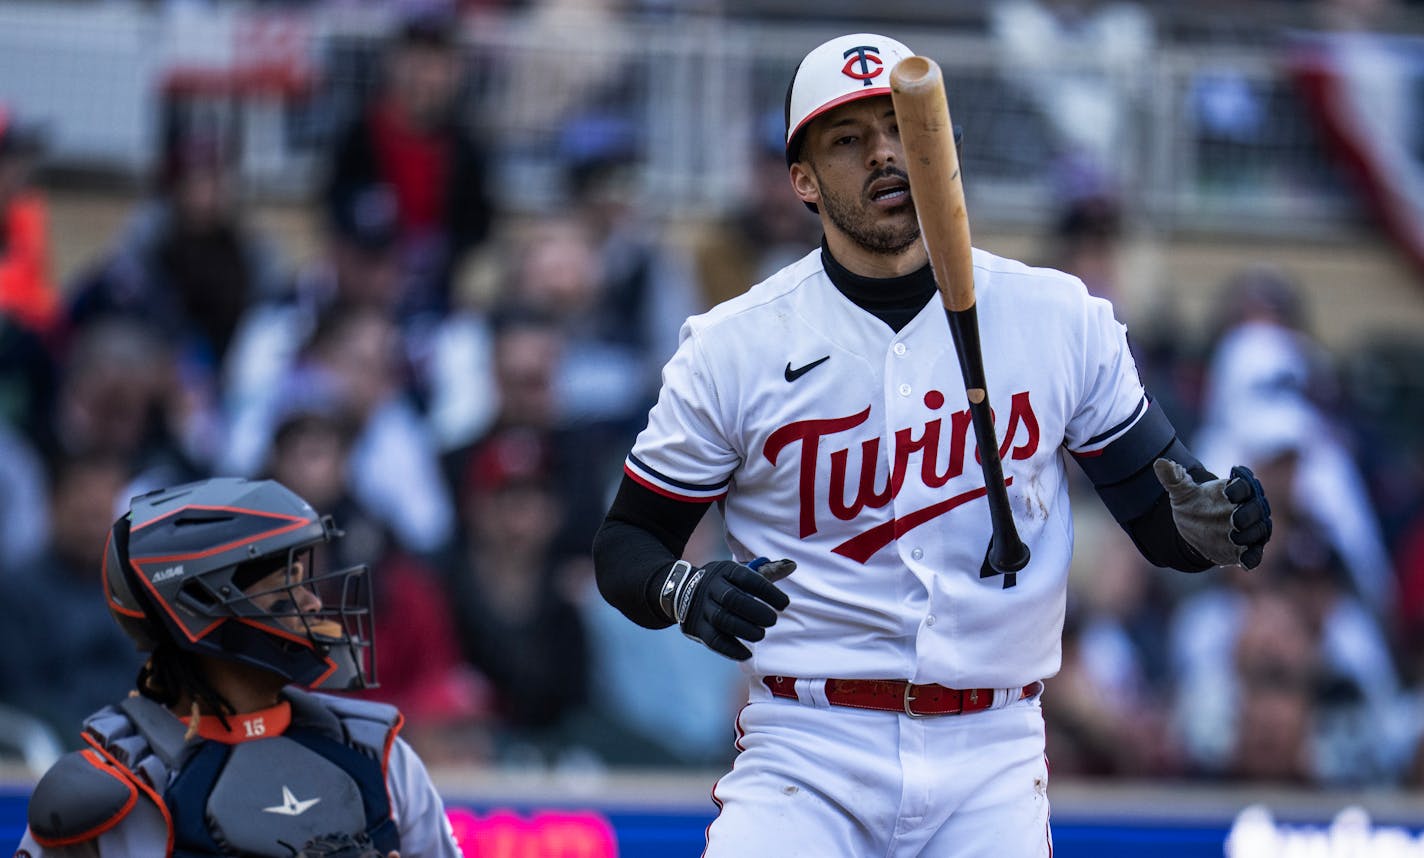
x: 932, y: 161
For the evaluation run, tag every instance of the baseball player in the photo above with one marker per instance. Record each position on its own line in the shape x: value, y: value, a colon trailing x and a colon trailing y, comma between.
x: 222, y: 751
x: 893, y: 691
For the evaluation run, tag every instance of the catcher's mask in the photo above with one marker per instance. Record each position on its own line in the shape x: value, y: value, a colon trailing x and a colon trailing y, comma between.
x: 225, y: 568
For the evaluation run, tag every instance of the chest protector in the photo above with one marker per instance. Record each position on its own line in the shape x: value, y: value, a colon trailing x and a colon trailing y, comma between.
x: 324, y: 775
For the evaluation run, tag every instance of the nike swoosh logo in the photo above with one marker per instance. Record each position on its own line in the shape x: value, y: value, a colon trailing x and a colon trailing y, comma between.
x: 793, y: 374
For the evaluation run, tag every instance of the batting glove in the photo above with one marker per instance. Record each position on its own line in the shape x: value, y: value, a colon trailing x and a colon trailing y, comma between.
x: 724, y: 603
x: 1228, y: 521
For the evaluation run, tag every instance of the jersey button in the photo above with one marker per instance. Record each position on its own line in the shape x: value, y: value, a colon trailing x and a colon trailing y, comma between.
x: 930, y: 620
x: 904, y: 390
x: 900, y: 349
x: 918, y: 553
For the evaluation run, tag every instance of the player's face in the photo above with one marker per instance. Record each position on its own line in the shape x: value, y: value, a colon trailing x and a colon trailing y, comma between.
x: 272, y: 595
x: 852, y: 168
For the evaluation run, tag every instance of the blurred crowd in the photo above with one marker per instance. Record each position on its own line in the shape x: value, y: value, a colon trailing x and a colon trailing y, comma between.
x: 457, y: 383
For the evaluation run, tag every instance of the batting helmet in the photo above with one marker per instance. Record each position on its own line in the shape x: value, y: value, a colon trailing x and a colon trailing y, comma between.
x: 181, y: 567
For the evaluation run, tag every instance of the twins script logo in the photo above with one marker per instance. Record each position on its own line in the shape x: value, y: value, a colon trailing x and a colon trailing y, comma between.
x: 863, y: 63
x: 868, y: 495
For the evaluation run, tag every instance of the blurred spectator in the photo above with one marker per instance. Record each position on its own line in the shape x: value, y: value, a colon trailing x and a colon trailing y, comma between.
x: 411, y: 141
x: 769, y: 230
x: 24, y: 501
x: 1330, y: 657
x: 1107, y: 717
x: 188, y: 262
x: 61, y: 655
x: 118, y: 396
x: 26, y: 293
x: 514, y: 606
x: 647, y: 280
x: 1356, y: 739
x: 28, y: 302
x: 27, y: 378
x: 352, y: 364
x: 447, y: 357
x: 1260, y: 403
x: 418, y: 661
x: 1087, y: 232
x: 605, y: 371
x: 310, y: 454
x: 1274, y: 666
x: 528, y: 355
x: 186, y: 266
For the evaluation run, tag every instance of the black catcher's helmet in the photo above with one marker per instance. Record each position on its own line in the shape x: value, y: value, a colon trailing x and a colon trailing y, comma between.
x: 181, y: 565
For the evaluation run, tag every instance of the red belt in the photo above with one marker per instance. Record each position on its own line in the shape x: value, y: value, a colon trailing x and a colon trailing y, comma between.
x: 898, y: 695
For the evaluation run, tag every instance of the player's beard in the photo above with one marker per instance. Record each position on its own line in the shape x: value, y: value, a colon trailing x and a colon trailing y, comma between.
x: 853, y: 215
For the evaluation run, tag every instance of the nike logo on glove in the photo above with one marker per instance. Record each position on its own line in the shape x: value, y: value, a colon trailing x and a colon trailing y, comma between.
x: 793, y: 374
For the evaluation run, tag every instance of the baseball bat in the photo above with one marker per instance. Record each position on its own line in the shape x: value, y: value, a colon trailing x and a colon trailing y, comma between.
x: 932, y: 161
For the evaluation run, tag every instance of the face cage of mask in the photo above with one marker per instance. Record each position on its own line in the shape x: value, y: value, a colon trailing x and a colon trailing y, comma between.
x: 345, y: 620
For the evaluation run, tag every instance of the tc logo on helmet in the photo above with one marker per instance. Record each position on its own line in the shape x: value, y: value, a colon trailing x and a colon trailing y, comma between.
x: 867, y: 57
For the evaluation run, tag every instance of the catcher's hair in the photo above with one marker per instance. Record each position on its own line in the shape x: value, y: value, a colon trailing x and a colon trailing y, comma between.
x: 170, y: 674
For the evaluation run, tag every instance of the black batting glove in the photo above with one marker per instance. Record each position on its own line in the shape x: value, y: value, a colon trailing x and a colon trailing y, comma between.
x: 723, y: 603
x: 1251, y: 522
x: 1228, y: 521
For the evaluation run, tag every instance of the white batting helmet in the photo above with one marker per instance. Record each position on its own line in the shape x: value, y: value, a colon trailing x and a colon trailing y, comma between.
x: 845, y: 69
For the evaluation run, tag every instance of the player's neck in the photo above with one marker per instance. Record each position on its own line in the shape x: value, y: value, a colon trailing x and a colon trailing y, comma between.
x: 868, y: 263
x: 245, y: 687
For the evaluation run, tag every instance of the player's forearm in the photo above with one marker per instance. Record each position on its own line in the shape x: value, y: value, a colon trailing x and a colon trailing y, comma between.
x: 627, y: 563
x: 1156, y: 536
x: 1122, y: 475
x: 642, y: 536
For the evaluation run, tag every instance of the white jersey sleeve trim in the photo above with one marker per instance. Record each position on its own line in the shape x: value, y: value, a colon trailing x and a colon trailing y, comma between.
x: 1096, y: 444
x: 648, y: 477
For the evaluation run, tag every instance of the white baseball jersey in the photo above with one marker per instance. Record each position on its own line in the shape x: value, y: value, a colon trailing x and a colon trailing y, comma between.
x: 847, y: 447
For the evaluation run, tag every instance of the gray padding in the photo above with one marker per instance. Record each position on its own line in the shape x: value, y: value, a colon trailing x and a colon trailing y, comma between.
x: 119, y: 731
x: 276, y: 791
x: 164, y: 732
x: 365, y: 724
x: 76, y: 800
x: 116, y: 733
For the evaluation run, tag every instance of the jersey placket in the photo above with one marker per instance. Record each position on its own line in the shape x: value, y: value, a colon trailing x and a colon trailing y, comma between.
x: 911, y: 363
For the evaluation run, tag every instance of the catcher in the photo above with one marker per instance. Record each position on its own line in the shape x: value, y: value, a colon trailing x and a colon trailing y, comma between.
x: 224, y: 750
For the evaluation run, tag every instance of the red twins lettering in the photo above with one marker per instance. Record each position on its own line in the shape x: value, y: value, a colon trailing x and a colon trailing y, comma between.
x: 870, y: 495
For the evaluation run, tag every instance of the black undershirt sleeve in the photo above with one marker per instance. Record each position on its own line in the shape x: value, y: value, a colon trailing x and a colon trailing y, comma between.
x: 1155, y: 534
x: 1122, y: 475
x: 643, y: 534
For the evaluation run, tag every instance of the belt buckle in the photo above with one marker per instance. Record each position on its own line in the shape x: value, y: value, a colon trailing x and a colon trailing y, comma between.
x: 910, y: 698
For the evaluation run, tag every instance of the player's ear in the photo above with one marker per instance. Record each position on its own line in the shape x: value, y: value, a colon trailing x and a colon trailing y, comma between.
x: 803, y: 182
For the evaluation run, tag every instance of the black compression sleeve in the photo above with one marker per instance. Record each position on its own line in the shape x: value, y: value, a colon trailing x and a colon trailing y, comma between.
x: 1155, y: 535
x: 1122, y: 475
x: 643, y: 534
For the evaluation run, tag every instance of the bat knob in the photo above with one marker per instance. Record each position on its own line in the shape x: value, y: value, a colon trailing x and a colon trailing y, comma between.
x: 1008, y: 555
x: 1005, y: 557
